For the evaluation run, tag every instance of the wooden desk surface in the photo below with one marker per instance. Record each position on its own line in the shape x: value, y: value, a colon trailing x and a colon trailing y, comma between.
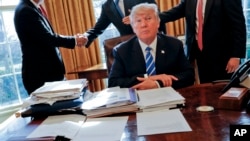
x: 101, y: 66
x: 98, y: 71
x: 206, y: 126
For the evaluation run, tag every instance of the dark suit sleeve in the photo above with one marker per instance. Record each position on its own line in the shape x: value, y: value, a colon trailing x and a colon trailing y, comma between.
x: 234, y: 11
x: 173, y: 14
x: 102, y: 23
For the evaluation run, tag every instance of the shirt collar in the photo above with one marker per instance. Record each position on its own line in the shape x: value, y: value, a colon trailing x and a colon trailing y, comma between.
x: 152, y: 45
x: 34, y: 3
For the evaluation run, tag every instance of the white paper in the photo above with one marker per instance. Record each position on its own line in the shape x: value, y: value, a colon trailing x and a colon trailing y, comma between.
x: 102, y: 129
x: 60, y: 88
x: 162, y: 121
x: 107, y: 98
x: 63, y: 125
x: 153, y: 97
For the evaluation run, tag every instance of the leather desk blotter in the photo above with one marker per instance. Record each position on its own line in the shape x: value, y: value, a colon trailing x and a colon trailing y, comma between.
x: 233, y: 98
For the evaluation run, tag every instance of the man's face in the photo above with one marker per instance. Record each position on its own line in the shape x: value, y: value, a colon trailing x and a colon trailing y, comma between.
x: 145, y: 25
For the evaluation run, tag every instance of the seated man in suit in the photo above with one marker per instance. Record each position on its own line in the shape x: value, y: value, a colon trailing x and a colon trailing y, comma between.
x: 116, y: 12
x: 134, y: 67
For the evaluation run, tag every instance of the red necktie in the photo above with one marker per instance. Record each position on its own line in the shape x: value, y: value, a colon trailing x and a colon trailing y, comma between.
x: 43, y: 11
x: 200, y: 24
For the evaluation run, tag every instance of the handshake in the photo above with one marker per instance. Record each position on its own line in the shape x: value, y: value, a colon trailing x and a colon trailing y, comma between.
x: 81, y: 40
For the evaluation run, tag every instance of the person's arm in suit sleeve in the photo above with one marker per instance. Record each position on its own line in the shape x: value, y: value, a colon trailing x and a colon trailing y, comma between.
x: 236, y: 18
x: 102, y: 23
x: 175, y: 13
x: 117, y: 75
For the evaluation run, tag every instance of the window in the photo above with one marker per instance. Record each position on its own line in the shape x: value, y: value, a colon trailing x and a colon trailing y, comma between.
x: 11, y: 87
x: 246, y: 8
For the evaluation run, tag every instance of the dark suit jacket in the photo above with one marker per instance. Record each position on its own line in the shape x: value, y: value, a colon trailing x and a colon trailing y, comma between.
x: 41, y: 57
x: 129, y: 62
x: 224, y: 30
x: 109, y: 14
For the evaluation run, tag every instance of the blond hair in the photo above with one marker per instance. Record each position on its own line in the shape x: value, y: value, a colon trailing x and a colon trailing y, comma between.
x: 140, y: 8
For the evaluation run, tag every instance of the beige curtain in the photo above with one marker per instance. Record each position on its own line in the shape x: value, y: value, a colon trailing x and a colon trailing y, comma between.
x: 175, y: 28
x: 69, y: 17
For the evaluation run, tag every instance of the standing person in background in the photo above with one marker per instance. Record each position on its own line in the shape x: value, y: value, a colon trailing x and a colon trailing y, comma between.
x: 41, y: 60
x: 215, y: 35
x: 149, y: 60
x: 116, y: 12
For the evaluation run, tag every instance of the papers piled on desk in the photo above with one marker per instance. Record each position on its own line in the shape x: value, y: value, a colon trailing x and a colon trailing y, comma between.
x: 118, y: 100
x: 110, y: 101
x: 51, y: 92
x: 54, y: 97
x: 161, y: 98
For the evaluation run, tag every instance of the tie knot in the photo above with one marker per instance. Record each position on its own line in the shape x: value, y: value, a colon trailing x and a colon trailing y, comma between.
x: 42, y: 10
x: 148, y: 49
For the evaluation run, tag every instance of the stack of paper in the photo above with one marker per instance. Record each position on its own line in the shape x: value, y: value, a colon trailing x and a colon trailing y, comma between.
x: 161, y: 98
x: 54, y: 97
x: 51, y: 92
x: 110, y: 101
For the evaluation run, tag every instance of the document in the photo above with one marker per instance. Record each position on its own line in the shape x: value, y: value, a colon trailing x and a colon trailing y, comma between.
x: 60, y: 88
x: 79, y: 128
x: 161, y: 121
x: 161, y: 97
x: 61, y: 125
x: 102, y: 129
x: 52, y: 92
x: 109, y: 97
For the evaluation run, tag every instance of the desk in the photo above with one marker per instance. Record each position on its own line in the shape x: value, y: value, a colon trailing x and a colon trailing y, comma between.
x: 210, y: 126
x: 95, y: 72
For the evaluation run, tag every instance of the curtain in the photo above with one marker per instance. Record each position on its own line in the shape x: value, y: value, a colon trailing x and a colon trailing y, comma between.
x: 69, y: 17
x: 177, y: 27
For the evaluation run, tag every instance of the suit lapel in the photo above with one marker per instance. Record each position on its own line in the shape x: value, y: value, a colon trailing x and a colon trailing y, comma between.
x: 192, y: 4
x: 137, y: 51
x: 113, y: 9
x: 45, y: 20
x: 161, y: 50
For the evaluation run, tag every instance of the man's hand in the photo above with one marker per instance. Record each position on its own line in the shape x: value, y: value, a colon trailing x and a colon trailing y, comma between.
x: 126, y: 20
x: 167, y: 80
x: 81, y: 40
x: 232, y: 65
x: 145, y: 84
